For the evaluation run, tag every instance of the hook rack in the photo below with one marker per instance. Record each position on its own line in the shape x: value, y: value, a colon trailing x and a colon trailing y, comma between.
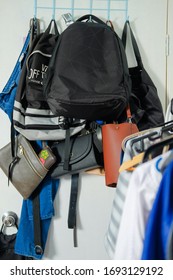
x: 73, y: 7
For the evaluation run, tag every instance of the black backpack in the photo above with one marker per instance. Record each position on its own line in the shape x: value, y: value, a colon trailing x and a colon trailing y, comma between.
x: 88, y: 75
x: 32, y: 116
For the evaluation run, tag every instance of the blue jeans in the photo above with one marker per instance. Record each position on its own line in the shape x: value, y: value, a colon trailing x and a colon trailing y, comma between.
x: 48, y: 188
x: 25, y: 238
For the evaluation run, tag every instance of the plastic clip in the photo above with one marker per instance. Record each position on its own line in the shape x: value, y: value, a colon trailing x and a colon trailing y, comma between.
x: 68, y: 18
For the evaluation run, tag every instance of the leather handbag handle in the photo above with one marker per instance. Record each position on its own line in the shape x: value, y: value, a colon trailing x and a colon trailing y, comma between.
x: 92, y: 18
x: 128, y: 111
x: 134, y: 43
x: 110, y: 24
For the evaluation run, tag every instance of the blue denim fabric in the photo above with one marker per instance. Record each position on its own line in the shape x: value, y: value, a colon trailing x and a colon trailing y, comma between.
x: 159, y: 224
x: 48, y: 188
x: 7, y: 96
x: 25, y: 237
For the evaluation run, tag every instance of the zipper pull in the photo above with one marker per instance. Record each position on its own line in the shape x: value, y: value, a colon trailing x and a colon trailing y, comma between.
x: 21, y: 150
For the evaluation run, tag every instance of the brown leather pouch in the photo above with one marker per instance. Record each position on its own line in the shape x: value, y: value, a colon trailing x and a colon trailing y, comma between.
x: 112, y: 137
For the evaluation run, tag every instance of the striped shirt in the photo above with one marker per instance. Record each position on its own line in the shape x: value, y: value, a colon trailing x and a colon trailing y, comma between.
x: 120, y: 194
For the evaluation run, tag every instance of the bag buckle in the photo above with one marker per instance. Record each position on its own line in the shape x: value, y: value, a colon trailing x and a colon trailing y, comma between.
x: 38, y: 250
x: 68, y: 18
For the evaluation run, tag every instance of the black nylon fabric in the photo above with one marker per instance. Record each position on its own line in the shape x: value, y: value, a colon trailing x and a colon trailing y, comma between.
x: 88, y: 74
x: 149, y: 112
x: 37, y: 65
x: 7, y: 243
x: 21, y: 90
x: 145, y: 104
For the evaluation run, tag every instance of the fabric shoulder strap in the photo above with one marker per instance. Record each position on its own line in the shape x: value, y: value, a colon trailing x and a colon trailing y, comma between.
x: 72, y: 221
x: 134, y: 43
x: 37, y: 224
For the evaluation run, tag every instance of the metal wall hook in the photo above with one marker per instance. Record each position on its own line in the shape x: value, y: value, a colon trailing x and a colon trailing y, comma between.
x: 9, y: 219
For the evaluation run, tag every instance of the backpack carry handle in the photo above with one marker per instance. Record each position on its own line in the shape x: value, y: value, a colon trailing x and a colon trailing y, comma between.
x: 54, y: 29
x: 51, y: 29
x: 134, y: 43
x: 90, y: 17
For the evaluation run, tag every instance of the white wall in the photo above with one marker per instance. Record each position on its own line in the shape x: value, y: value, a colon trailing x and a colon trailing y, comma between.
x: 95, y: 198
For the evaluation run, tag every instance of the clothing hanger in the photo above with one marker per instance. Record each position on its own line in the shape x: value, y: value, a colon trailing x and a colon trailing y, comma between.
x: 130, y: 165
x: 154, y: 135
x: 154, y: 150
x: 165, y: 123
x: 158, y: 148
x: 137, y: 134
x: 142, y: 138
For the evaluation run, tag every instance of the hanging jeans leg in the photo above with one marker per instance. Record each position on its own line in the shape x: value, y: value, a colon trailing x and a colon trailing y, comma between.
x: 25, y: 238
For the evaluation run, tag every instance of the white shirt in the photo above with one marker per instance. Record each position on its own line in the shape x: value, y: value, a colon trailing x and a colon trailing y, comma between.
x: 142, y: 189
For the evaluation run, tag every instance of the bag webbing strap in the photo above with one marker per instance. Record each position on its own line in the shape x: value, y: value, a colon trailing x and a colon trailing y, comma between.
x: 72, y: 223
x: 37, y: 224
x: 67, y: 150
x: 134, y: 43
